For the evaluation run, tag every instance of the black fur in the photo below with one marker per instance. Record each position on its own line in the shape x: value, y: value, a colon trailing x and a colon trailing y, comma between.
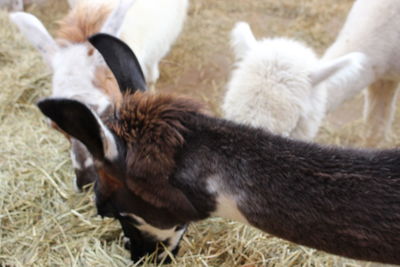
x: 85, y: 175
x: 139, y: 243
x: 70, y: 115
x: 121, y: 60
x: 343, y: 201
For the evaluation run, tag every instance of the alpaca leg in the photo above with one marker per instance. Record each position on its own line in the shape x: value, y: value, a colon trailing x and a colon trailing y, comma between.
x: 153, y: 75
x: 379, y: 110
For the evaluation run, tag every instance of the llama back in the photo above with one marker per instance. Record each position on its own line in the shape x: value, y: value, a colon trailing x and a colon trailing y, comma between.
x: 372, y: 29
x: 368, y: 31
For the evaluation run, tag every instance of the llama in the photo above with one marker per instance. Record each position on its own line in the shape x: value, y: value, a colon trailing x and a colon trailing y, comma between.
x: 150, y: 28
x: 276, y: 84
x: 80, y: 73
x: 372, y: 28
x: 163, y: 163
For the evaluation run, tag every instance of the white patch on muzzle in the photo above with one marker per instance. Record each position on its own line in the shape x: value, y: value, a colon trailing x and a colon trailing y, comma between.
x: 171, y: 234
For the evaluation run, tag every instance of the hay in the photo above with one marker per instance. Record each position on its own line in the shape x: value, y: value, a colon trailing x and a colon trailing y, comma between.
x: 43, y: 222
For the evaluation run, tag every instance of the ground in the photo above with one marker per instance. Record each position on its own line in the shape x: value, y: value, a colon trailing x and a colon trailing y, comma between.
x: 43, y: 222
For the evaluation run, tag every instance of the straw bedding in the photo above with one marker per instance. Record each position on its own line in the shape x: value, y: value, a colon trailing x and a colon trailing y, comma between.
x: 44, y: 222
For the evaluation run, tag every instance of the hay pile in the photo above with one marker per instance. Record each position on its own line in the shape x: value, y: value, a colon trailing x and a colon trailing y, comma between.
x: 43, y: 222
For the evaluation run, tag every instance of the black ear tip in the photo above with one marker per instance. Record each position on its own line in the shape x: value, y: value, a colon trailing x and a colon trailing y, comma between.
x: 40, y: 103
x: 45, y: 104
x: 98, y: 37
x: 121, y: 60
x: 54, y: 107
x: 92, y: 39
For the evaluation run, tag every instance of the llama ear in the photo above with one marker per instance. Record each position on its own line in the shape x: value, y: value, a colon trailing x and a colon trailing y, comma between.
x: 342, y: 68
x: 36, y: 33
x: 242, y: 39
x: 121, y: 60
x: 80, y: 122
x: 113, y: 24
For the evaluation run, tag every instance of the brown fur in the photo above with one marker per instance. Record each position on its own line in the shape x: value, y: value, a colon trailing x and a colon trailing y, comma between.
x: 113, y: 184
x: 83, y: 21
x: 105, y: 80
x: 152, y: 127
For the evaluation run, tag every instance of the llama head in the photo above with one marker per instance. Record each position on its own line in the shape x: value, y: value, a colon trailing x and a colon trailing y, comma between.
x: 79, y: 72
x: 280, y: 84
x: 270, y: 86
x: 73, y: 61
x: 134, y: 148
x: 341, y: 68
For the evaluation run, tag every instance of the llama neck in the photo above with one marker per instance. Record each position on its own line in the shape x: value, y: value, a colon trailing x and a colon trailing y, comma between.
x: 344, y: 202
x: 345, y: 214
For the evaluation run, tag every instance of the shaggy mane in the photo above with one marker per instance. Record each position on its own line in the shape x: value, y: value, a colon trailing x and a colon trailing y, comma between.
x: 83, y: 21
x: 152, y: 126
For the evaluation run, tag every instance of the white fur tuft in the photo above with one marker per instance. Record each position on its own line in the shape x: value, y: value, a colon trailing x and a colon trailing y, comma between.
x: 242, y: 39
x: 33, y: 29
x: 171, y: 234
x: 271, y: 89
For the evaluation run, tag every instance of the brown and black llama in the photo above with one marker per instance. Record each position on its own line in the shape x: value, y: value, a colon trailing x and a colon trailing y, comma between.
x: 163, y: 163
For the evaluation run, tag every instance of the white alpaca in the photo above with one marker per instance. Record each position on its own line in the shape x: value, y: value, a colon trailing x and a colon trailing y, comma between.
x: 372, y: 28
x: 77, y: 67
x: 276, y: 84
x: 73, y: 64
x: 79, y: 72
x: 150, y: 28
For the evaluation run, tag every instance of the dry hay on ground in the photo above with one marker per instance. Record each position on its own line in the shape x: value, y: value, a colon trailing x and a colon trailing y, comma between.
x: 43, y: 222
